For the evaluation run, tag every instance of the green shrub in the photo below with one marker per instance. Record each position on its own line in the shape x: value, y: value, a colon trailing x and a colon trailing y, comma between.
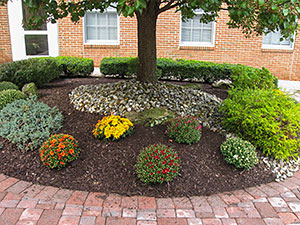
x: 59, y: 150
x: 184, y: 129
x: 30, y: 89
x: 9, y: 96
x: 157, y: 164
x: 181, y: 69
x: 267, y: 118
x: 37, y: 70
x: 5, y: 85
x: 121, y: 66
x: 240, y: 153
x: 248, y: 77
x: 28, y: 123
x: 75, y: 66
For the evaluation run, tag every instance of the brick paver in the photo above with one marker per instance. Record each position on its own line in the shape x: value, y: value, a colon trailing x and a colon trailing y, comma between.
x: 26, y: 203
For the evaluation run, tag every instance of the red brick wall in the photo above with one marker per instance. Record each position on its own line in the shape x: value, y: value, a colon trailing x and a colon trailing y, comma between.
x: 230, y: 45
x: 5, y: 47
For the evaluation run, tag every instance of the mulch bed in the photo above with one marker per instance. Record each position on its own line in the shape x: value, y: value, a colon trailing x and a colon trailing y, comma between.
x: 110, y: 166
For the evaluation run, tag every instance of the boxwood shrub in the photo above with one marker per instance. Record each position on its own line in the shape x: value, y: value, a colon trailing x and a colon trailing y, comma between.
x: 9, y: 96
x: 267, y: 118
x: 181, y: 69
x: 120, y: 66
x: 5, y: 85
x: 37, y: 70
x: 75, y: 66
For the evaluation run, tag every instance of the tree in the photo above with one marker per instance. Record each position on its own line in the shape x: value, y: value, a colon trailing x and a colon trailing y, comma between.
x: 253, y: 17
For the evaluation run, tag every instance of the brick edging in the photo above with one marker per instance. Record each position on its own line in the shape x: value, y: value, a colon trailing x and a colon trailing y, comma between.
x: 23, y: 202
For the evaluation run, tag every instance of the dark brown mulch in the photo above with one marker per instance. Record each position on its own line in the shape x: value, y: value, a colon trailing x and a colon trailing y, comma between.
x: 110, y: 166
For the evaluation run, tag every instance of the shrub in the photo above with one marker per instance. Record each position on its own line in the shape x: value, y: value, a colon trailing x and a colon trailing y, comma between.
x: 59, y: 150
x: 121, y: 66
x: 30, y: 89
x: 240, y: 153
x: 248, y: 77
x: 5, y: 85
x: 75, y: 66
x: 157, y: 164
x: 269, y: 120
x: 9, y: 96
x: 28, y: 123
x: 184, y: 129
x: 112, y: 128
x: 37, y: 70
x: 181, y: 69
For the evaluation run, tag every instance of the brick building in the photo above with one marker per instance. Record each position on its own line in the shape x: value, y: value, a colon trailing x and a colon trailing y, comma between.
x: 100, y: 35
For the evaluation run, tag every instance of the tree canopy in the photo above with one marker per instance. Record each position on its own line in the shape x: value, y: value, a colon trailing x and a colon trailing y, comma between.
x: 253, y: 17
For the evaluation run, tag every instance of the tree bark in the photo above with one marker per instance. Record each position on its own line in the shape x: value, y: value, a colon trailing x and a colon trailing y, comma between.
x: 147, y: 45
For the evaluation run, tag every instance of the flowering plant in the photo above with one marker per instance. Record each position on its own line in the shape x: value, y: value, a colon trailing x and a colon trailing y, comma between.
x: 184, y: 129
x: 112, y: 128
x: 240, y: 153
x: 157, y: 163
x: 59, y: 150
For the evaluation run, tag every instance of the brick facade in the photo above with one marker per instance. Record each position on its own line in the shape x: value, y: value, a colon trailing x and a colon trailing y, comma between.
x: 230, y: 46
x: 5, y: 47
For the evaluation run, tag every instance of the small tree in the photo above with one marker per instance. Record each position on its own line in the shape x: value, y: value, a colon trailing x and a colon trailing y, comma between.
x: 253, y: 17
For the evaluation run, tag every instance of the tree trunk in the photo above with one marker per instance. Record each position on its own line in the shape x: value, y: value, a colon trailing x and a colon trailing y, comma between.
x: 147, y: 45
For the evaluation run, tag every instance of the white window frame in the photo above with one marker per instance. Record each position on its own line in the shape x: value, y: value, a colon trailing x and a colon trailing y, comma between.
x: 200, y: 44
x: 17, y: 33
x: 282, y: 47
x: 102, y: 42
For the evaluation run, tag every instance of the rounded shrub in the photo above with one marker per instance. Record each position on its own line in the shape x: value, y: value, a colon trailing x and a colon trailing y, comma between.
x: 5, y: 85
x: 112, y: 128
x: 30, y: 89
x: 9, y: 96
x: 157, y: 164
x: 184, y: 129
x: 37, y: 70
x: 240, y: 153
x: 269, y: 119
x: 59, y: 150
x: 28, y: 123
x: 75, y: 66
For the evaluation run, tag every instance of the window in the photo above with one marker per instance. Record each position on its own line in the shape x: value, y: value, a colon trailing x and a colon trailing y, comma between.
x: 102, y: 28
x: 272, y: 40
x: 194, y: 33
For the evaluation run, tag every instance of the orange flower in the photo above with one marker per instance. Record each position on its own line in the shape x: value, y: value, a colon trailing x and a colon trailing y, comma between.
x: 62, y: 163
x: 71, y: 151
x: 61, y: 146
x: 51, y: 153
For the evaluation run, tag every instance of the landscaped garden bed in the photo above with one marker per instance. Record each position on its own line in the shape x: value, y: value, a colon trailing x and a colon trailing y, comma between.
x: 107, y: 166
x: 180, y: 136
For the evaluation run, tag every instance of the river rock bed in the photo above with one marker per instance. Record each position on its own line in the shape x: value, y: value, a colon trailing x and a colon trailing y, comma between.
x: 131, y: 95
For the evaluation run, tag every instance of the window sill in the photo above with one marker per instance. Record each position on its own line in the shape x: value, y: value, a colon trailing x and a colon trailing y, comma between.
x: 197, y: 48
x: 277, y: 50
x: 101, y: 46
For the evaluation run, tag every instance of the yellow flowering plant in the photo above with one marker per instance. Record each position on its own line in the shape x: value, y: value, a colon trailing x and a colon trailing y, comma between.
x: 113, y: 128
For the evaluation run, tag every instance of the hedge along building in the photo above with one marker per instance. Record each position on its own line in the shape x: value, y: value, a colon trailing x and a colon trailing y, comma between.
x: 100, y: 35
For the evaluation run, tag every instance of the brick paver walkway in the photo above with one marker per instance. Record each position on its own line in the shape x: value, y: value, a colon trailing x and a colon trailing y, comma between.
x: 26, y: 203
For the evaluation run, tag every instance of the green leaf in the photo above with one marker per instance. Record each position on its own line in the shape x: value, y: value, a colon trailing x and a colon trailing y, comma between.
x: 261, y: 2
x: 285, y: 12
